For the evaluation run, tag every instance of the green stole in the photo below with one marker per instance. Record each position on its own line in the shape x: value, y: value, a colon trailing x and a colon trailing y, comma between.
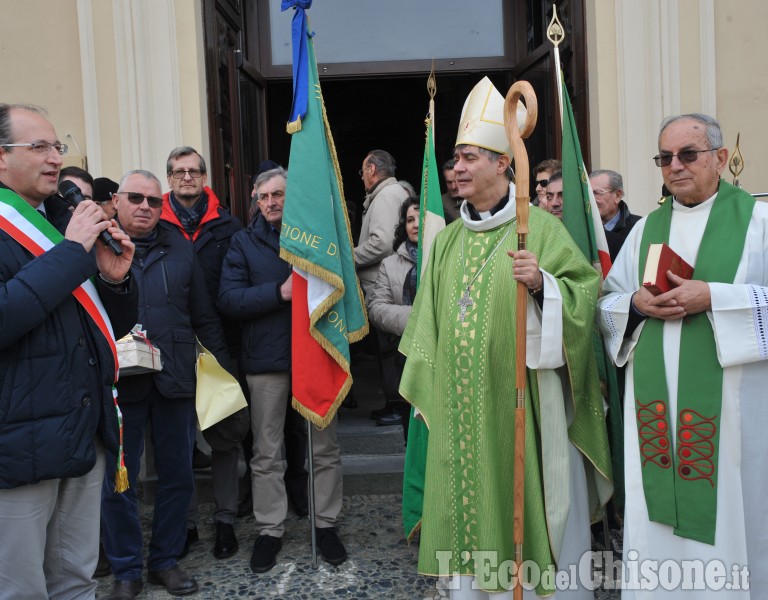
x: 681, y: 486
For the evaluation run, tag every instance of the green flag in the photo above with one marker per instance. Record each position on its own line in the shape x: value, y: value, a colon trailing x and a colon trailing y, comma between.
x: 327, y: 305
x: 582, y: 220
x: 431, y: 222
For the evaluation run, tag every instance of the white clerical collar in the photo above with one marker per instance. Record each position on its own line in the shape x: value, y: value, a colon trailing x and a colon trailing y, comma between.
x: 489, y: 221
x: 700, y: 206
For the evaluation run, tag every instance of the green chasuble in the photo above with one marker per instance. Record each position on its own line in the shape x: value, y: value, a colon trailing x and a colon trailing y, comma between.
x: 460, y: 375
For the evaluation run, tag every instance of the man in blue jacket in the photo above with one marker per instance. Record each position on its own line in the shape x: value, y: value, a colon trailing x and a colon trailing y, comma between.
x: 174, y: 308
x: 256, y: 288
x: 192, y: 210
x: 63, y: 298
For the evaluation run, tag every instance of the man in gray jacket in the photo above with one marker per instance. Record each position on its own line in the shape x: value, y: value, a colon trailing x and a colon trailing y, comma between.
x: 384, y: 196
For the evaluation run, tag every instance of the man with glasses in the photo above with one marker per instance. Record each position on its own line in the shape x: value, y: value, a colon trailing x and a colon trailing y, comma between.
x: 541, y: 173
x: 608, y: 188
x: 174, y: 310
x: 695, y: 418
x: 63, y: 299
x: 192, y: 210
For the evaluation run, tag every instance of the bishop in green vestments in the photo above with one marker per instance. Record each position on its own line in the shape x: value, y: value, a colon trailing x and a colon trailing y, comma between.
x: 460, y: 377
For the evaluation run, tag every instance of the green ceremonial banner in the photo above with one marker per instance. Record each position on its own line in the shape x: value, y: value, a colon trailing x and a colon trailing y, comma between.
x: 328, y: 308
x: 431, y: 222
x: 579, y: 217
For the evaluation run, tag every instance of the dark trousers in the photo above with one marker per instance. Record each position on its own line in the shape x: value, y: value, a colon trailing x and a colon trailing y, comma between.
x: 172, y: 422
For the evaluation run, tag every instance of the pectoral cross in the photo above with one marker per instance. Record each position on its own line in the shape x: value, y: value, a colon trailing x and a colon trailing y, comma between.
x: 464, y: 302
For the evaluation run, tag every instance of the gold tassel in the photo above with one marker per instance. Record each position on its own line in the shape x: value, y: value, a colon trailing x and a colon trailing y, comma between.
x: 121, y: 480
x: 294, y: 126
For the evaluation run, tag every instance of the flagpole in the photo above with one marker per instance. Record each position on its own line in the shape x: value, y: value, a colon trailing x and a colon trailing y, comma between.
x: 522, y: 202
x: 311, y: 465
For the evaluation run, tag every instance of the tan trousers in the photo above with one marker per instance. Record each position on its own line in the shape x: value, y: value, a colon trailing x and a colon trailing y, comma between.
x: 270, y: 398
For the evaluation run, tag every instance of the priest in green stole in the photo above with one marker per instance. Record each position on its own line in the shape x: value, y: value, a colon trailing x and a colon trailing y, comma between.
x: 695, y: 413
x: 460, y: 377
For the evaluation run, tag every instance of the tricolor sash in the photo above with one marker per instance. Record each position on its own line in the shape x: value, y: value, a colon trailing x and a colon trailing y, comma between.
x: 33, y: 232
x: 680, y: 481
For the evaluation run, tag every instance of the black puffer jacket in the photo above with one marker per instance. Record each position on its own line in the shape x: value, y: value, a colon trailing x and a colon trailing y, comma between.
x: 250, y: 291
x: 56, y: 368
x: 174, y: 306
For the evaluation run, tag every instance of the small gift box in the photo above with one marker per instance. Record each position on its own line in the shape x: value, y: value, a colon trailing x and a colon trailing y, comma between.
x: 136, y: 354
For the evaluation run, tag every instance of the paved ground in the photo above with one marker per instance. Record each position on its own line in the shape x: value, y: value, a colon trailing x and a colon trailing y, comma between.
x: 381, y: 564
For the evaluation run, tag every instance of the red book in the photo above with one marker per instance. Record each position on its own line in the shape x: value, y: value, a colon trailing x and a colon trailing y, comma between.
x: 661, y: 258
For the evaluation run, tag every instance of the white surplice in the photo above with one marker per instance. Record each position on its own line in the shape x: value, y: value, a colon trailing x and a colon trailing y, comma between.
x: 739, y: 317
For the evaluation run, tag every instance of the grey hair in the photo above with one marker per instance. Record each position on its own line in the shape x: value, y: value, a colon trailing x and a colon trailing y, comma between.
x: 5, y: 119
x: 615, y: 180
x: 146, y: 174
x: 383, y: 161
x: 184, y: 151
x: 713, y: 131
x: 407, y: 187
x: 267, y: 175
x: 448, y: 164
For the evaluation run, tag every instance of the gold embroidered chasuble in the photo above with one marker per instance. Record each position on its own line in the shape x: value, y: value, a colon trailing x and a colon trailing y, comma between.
x: 460, y: 375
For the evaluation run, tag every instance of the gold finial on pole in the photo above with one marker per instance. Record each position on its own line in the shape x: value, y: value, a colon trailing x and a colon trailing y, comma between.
x: 555, y: 31
x: 432, y: 82
x: 736, y: 164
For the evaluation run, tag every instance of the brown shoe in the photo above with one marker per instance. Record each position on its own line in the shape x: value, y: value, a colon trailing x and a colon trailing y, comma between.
x: 175, y: 580
x: 126, y: 589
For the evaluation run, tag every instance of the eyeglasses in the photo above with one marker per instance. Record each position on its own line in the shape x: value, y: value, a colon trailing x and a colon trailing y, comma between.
x: 40, y: 147
x: 181, y: 173
x: 601, y: 193
x: 542, y: 182
x: 137, y: 198
x: 684, y: 156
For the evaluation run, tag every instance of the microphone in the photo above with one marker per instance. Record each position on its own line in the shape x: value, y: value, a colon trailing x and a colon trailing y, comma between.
x: 73, y: 196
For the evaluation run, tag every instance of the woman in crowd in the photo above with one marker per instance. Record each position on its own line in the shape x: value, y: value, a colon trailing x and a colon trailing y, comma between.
x: 390, y: 303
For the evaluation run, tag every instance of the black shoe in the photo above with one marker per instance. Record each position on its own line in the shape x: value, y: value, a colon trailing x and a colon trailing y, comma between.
x: 264, y: 555
x: 226, y: 543
x: 330, y: 546
x: 393, y: 418
x: 175, y: 580
x: 200, y: 460
x: 349, y: 402
x: 192, y: 537
x: 103, y: 568
x: 126, y: 590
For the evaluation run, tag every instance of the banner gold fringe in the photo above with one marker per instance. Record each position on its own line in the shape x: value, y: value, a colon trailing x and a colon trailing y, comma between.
x: 293, y: 126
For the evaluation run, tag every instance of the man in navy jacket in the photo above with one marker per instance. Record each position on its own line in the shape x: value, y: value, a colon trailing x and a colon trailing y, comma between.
x: 174, y: 308
x: 57, y: 366
x: 256, y: 287
x: 192, y: 211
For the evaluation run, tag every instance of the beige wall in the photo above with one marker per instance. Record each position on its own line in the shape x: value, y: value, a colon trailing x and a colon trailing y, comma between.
x: 742, y: 85
x: 653, y: 58
x: 40, y: 58
x: 126, y: 78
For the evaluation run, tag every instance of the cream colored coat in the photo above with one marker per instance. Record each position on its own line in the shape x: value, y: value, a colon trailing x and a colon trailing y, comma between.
x: 377, y: 234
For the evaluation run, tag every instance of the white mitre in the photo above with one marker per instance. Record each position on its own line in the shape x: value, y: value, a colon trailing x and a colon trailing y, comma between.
x: 482, y: 119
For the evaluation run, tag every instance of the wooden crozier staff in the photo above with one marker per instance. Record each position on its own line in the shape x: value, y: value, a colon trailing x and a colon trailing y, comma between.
x: 522, y: 203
